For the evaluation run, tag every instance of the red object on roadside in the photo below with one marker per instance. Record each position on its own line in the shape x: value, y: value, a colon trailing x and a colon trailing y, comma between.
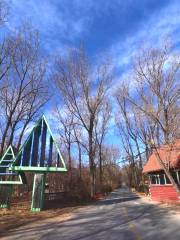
x: 98, y: 196
x: 160, y: 187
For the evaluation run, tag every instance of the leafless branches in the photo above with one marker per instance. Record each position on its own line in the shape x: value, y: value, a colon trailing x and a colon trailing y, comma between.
x: 23, y: 90
x: 83, y: 93
x: 101, y: 129
x: 150, y: 114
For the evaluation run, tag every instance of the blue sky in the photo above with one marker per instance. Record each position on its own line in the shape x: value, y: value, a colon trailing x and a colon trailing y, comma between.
x: 113, y: 28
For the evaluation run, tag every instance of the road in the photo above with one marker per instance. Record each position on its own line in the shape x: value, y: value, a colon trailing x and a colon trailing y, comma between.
x: 122, y: 216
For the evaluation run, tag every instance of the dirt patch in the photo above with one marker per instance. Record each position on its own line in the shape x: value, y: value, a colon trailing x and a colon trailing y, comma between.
x: 10, y: 219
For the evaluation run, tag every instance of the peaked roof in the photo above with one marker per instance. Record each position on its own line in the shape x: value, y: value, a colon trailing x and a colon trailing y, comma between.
x: 170, y: 155
x: 40, y: 152
x: 6, y: 175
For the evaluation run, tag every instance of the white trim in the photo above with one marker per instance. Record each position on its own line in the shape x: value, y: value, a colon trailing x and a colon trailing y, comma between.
x: 165, y: 182
x: 158, y: 179
x: 178, y: 178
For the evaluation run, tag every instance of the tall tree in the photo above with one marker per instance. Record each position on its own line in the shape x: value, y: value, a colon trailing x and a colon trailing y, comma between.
x: 83, y: 90
x: 24, y: 89
x: 158, y: 90
x: 65, y: 129
x: 77, y: 129
x: 101, y: 129
x: 156, y: 72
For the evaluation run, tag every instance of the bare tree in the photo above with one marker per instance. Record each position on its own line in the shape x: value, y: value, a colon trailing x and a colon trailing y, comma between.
x: 156, y: 73
x: 101, y: 129
x: 111, y: 169
x: 129, y: 119
x: 5, y: 61
x: 77, y: 129
x: 83, y: 92
x: 143, y: 125
x: 4, y: 48
x: 65, y: 129
x: 24, y: 90
x: 126, y: 121
x: 129, y: 153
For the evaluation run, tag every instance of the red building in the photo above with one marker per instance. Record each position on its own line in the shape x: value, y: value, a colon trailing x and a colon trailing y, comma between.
x: 160, y: 187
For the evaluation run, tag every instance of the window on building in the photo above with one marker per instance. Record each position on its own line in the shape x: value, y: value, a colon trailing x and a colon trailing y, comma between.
x: 167, y: 180
x: 174, y: 175
x: 157, y: 179
x: 162, y: 179
x: 153, y: 179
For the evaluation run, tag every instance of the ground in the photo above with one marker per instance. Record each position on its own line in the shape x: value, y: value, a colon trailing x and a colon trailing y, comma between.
x: 122, y: 215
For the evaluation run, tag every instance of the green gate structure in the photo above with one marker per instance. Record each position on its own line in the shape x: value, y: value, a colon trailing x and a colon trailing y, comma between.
x: 8, y: 178
x: 39, y: 154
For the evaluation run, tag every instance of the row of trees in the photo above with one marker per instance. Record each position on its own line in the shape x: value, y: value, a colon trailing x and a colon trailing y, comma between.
x: 146, y: 113
x: 25, y: 77
x: 84, y: 92
x: 23, y: 89
x: 149, y: 114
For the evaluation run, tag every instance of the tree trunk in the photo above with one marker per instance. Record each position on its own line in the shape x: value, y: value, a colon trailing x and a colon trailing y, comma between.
x: 80, y: 161
x: 92, y: 181
x: 21, y: 135
x: 69, y: 162
x: 166, y: 131
x: 12, y: 135
x: 91, y: 162
x: 4, y: 137
x: 100, y: 167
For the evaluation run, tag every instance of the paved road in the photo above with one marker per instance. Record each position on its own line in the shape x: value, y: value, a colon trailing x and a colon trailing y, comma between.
x: 122, y: 216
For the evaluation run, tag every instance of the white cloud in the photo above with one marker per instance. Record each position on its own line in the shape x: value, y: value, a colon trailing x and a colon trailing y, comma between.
x: 52, y: 19
x: 151, y: 33
x: 48, y: 16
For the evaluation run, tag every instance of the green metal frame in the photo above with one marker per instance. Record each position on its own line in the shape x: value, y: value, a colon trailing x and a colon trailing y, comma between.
x: 20, y: 182
x: 38, y: 169
x: 14, y: 167
x: 22, y: 179
x: 23, y: 162
x: 7, y: 150
x: 41, y: 197
x: 62, y: 160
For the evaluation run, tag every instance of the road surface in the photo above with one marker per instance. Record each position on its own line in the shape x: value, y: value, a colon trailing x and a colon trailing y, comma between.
x: 122, y: 216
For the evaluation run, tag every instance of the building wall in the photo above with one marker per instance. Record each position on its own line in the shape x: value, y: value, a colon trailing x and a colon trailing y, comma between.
x: 163, y: 193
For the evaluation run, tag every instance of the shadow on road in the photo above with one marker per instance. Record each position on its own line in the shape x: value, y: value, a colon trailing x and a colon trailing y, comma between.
x: 116, y: 200
x: 107, y: 219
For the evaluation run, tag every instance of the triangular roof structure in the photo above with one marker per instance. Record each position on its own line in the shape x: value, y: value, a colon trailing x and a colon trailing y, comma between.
x: 7, y: 176
x: 40, y: 152
x: 170, y: 155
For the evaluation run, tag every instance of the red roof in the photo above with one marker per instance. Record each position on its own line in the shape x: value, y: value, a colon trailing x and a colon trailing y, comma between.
x: 170, y: 155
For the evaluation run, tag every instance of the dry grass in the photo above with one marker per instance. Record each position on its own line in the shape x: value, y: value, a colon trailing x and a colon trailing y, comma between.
x: 10, y: 219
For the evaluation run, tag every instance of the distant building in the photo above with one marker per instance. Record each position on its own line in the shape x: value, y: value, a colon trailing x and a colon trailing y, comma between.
x: 160, y: 187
